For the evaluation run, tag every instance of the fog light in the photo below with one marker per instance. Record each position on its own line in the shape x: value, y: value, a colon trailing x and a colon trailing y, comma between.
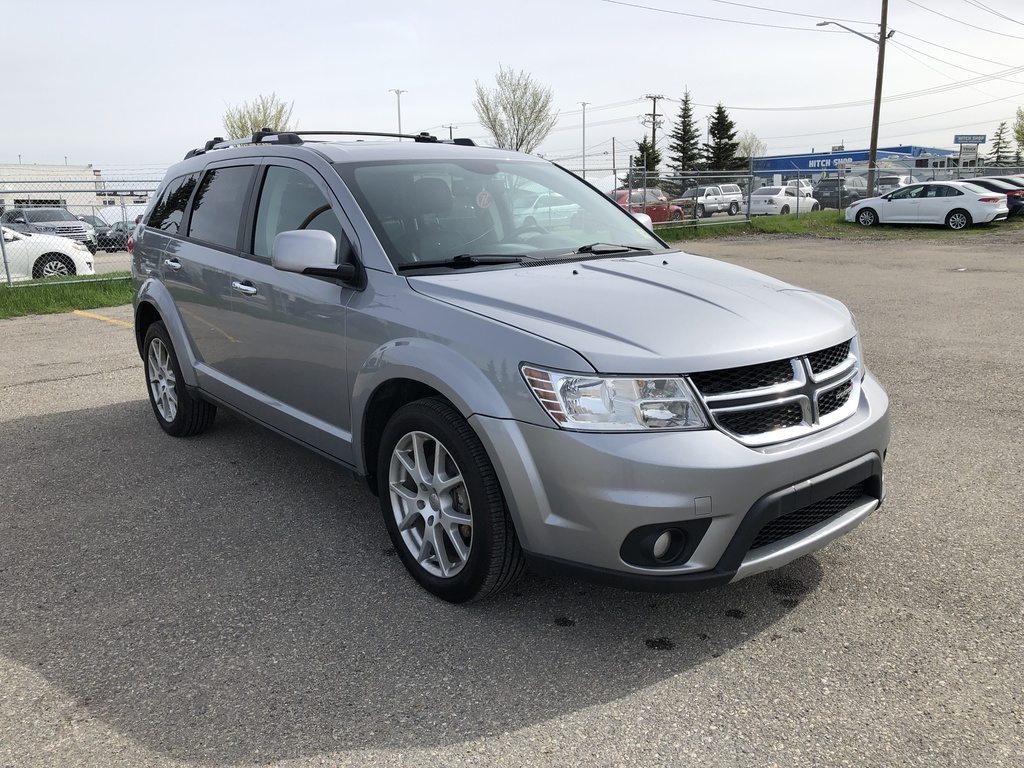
x: 662, y: 544
x: 668, y: 545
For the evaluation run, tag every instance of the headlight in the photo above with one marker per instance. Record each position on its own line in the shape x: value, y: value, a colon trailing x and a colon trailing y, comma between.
x: 79, y: 247
x: 613, y: 404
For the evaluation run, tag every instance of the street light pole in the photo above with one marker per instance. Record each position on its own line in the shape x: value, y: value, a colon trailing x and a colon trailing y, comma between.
x: 398, y: 93
x: 883, y: 35
x: 584, y: 103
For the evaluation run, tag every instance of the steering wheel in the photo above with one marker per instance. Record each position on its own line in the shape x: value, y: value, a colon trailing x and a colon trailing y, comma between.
x: 531, y: 228
x: 306, y: 221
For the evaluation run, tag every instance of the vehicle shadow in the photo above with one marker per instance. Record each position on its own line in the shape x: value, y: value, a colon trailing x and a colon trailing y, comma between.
x: 232, y: 597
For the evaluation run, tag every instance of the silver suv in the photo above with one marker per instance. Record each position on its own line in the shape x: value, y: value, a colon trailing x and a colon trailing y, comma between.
x: 50, y: 221
x: 581, y: 398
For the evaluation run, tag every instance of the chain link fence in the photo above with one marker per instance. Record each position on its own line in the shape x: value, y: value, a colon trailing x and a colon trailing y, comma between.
x: 55, y: 226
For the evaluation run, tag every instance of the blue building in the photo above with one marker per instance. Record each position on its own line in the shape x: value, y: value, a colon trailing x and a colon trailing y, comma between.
x: 822, y: 163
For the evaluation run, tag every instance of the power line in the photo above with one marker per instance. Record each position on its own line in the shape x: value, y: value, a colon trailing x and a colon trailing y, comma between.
x: 962, y: 23
x: 710, y: 18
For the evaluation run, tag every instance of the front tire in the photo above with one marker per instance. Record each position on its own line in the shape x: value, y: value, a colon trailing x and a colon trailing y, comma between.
x: 700, y: 212
x: 958, y: 219
x: 867, y: 217
x: 179, y: 413
x: 53, y: 265
x: 443, y: 506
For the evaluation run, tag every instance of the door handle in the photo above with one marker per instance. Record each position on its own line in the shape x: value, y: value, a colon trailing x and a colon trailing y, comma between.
x: 172, y: 263
x: 246, y: 289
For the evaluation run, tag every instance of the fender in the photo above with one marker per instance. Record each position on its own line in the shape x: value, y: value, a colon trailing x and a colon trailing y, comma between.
x: 469, y: 388
x: 155, y: 293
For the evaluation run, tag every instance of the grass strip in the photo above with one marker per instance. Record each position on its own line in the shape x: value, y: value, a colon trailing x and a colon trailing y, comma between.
x: 45, y: 297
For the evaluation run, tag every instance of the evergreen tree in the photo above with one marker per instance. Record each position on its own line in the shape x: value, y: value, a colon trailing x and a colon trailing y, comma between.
x: 684, y: 150
x: 644, y: 166
x: 1001, y: 153
x: 1018, y: 135
x: 720, y: 151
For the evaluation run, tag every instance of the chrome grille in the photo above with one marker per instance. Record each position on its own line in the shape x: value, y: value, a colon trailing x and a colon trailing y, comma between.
x: 783, y: 399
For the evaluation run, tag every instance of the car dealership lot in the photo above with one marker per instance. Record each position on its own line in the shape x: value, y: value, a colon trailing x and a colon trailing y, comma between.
x: 232, y: 599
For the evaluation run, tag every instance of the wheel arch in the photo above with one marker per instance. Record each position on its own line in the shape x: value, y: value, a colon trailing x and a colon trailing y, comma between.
x: 151, y: 305
x: 406, y: 370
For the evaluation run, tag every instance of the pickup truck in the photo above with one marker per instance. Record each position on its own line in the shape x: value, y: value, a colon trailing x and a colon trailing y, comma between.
x: 712, y: 199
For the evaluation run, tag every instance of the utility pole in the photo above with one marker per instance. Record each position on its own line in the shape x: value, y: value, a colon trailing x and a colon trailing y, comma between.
x: 883, y: 35
x: 450, y: 127
x: 873, y: 151
x: 584, y: 104
x: 653, y: 117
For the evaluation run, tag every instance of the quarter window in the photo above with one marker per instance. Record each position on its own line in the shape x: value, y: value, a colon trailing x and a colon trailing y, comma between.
x: 170, y: 208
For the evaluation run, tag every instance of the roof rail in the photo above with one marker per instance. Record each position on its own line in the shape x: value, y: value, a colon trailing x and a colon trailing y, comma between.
x: 270, y: 136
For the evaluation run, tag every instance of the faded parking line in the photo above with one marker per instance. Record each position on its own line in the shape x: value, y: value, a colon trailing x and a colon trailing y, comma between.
x: 101, y: 317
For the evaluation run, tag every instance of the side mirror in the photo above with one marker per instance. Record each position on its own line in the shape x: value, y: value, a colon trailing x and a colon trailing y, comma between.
x: 644, y: 220
x: 312, y: 252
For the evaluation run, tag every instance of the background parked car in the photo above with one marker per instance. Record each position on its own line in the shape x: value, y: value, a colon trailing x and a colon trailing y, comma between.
x: 116, y: 236
x: 956, y: 204
x: 32, y: 256
x: 709, y: 199
x: 780, y: 200
x: 839, y: 193
x: 651, y: 201
x: 50, y: 221
x: 889, y: 182
x: 1014, y: 194
x: 804, y: 186
x: 547, y: 210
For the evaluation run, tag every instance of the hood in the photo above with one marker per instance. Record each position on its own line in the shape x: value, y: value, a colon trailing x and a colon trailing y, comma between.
x: 669, y: 313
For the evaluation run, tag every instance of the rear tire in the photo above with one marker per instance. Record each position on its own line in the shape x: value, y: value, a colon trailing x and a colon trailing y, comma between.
x: 785, y: 209
x: 178, y: 412
x: 958, y: 219
x: 734, y: 208
x: 443, y: 505
x: 53, y: 265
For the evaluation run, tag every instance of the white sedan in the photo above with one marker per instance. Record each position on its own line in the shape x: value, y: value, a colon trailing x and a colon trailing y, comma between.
x: 954, y: 204
x: 32, y: 256
x: 770, y: 200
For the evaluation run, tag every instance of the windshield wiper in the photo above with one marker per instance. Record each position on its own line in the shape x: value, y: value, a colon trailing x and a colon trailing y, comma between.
x: 464, y: 260
x: 599, y: 249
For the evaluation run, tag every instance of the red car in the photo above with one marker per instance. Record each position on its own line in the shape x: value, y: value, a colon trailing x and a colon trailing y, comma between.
x: 651, y: 201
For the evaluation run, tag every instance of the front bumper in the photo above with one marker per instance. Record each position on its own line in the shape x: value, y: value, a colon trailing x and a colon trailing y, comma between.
x: 578, y: 499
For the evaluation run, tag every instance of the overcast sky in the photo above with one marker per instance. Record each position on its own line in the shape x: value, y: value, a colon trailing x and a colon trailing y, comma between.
x: 133, y: 85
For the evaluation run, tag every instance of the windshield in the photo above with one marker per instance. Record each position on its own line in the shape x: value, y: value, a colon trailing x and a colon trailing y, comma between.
x: 434, y: 211
x: 39, y: 215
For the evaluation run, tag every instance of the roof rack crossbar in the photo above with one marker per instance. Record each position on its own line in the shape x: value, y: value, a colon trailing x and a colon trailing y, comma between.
x: 270, y: 136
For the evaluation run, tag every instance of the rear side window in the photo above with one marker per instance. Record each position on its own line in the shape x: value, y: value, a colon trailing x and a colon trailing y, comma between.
x: 217, y: 207
x: 170, y: 208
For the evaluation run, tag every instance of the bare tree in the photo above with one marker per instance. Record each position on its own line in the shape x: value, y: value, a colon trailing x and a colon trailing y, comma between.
x: 264, y: 112
x: 751, y: 146
x: 518, y: 112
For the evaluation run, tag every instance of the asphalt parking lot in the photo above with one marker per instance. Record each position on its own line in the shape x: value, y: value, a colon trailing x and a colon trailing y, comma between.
x: 233, y: 600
